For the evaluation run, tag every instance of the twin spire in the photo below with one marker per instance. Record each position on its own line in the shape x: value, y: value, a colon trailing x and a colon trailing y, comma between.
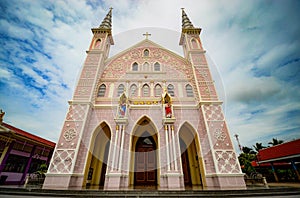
x: 186, y: 23
x: 106, y: 23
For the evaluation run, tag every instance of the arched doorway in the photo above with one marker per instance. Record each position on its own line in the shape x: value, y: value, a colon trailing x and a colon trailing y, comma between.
x: 144, y: 171
x: 98, y: 155
x: 192, y: 165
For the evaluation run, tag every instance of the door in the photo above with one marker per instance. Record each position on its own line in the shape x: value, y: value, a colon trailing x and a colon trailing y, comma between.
x: 185, y: 164
x: 145, y: 162
x: 186, y: 169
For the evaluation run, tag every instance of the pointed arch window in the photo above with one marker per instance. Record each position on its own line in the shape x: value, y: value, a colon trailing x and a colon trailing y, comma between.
x: 121, y: 89
x: 146, y: 52
x: 157, y: 90
x: 97, y: 44
x: 135, y: 66
x: 146, y: 66
x: 146, y: 91
x: 156, y: 66
x: 194, y: 44
x: 189, y: 91
x: 133, y: 90
x: 171, y: 89
x: 101, y: 91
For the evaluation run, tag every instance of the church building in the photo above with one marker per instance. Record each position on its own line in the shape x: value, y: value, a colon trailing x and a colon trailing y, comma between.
x: 145, y: 118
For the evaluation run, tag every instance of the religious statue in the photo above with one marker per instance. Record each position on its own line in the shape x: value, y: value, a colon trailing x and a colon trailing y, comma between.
x: 122, y: 105
x: 168, y: 109
x: 167, y: 101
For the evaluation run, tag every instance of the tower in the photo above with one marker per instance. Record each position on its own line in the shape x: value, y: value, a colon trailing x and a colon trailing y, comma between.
x: 145, y: 117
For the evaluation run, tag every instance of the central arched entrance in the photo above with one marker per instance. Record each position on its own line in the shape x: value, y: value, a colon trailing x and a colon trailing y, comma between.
x: 144, y: 171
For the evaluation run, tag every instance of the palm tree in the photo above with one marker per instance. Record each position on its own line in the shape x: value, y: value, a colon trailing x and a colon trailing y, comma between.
x: 275, y: 142
x: 258, y: 146
x: 248, y: 150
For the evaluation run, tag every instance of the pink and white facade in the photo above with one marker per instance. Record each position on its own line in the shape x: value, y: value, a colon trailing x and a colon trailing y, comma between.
x: 145, y: 118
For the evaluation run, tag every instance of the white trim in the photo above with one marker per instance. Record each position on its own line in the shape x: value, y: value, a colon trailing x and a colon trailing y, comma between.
x: 278, y: 159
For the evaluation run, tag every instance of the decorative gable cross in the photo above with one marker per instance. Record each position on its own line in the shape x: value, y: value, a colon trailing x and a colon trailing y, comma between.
x: 147, y: 34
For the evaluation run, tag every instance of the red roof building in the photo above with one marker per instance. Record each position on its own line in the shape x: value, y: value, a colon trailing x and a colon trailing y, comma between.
x: 21, y: 153
x: 285, y: 156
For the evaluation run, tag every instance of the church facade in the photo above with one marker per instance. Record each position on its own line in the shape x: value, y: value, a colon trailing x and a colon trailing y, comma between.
x: 145, y: 118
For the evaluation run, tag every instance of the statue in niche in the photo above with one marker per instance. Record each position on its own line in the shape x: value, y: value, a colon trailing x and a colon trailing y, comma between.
x: 122, y: 105
x: 167, y: 102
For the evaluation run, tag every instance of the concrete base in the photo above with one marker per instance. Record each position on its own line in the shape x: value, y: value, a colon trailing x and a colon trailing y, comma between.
x: 112, y: 181
x: 175, y: 181
x: 225, y: 182
x: 55, y: 181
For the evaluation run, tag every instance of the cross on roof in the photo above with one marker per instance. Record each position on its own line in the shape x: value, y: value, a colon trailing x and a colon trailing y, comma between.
x: 147, y: 34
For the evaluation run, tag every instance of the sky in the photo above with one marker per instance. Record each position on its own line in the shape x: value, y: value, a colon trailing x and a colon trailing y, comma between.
x: 253, y: 47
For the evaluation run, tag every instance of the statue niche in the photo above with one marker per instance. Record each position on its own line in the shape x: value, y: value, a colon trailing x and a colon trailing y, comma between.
x: 122, y: 109
x: 167, y: 105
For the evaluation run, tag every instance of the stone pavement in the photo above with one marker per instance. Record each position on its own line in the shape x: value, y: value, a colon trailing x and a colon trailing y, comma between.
x: 275, y: 189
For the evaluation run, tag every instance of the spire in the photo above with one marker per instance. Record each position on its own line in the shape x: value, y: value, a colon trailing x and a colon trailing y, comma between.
x: 186, y: 23
x: 187, y: 27
x: 106, y: 23
x: 105, y: 26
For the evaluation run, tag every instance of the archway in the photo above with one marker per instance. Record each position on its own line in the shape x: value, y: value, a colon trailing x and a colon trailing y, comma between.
x: 98, y: 155
x: 192, y: 165
x: 144, y: 171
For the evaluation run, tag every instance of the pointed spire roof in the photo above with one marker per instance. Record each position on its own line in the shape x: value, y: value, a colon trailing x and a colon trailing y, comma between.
x: 186, y: 23
x: 187, y: 27
x: 106, y: 23
x: 105, y: 26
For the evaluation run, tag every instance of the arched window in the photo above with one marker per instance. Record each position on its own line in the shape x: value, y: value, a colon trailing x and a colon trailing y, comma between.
x: 135, y: 66
x: 146, y: 66
x: 157, y: 90
x: 98, y: 44
x: 133, y: 90
x: 156, y: 66
x: 101, y: 91
x: 146, y: 90
x: 170, y: 89
x: 146, y: 52
x: 120, y: 89
x: 194, y: 44
x: 189, y: 91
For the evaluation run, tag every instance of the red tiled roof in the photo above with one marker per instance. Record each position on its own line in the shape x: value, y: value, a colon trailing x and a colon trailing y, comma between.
x: 280, y: 151
x: 29, y: 135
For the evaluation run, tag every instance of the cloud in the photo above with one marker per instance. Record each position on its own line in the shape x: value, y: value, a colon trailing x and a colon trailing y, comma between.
x: 253, y: 47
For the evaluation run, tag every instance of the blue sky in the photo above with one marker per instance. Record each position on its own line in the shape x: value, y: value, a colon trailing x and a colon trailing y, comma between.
x: 253, y: 45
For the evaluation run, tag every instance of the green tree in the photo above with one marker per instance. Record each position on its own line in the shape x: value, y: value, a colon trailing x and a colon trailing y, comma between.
x: 258, y: 146
x: 248, y: 150
x: 275, y: 142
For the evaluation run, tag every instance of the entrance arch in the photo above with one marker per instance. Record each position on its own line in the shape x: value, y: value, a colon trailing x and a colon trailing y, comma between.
x: 144, y: 171
x: 192, y: 165
x: 98, y: 155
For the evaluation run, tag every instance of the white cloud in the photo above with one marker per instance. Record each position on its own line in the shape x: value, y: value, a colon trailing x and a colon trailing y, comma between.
x: 240, y: 37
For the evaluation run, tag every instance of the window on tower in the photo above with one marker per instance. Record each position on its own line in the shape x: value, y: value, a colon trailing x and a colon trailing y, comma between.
x: 101, y: 91
x: 171, y: 89
x: 133, y: 90
x: 194, y: 44
x: 146, y: 91
x: 156, y: 66
x: 189, y: 91
x: 135, y: 66
x: 157, y: 90
x: 98, y: 44
x: 146, y: 52
x: 120, y: 89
